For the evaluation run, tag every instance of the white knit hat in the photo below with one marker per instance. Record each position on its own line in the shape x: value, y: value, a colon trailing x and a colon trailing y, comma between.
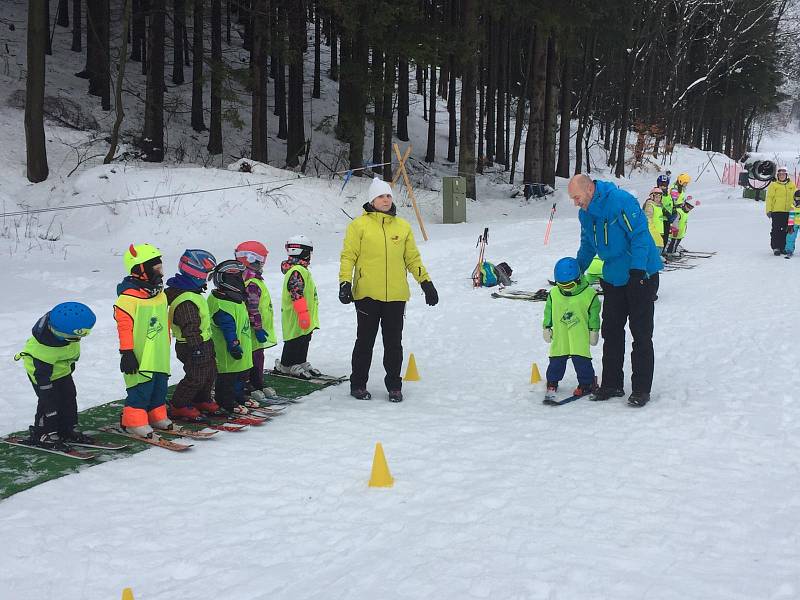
x: 378, y: 187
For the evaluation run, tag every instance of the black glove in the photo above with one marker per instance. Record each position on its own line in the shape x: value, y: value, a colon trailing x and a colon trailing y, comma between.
x: 638, y: 279
x: 235, y: 350
x: 431, y: 295
x: 345, y: 292
x: 128, y: 363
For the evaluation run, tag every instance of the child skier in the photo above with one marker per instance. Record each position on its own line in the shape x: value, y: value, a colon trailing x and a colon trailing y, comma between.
x: 653, y: 209
x: 144, y: 341
x: 253, y: 255
x: 49, y: 357
x: 678, y: 228
x: 571, y: 324
x: 191, y: 326
x: 299, y: 309
x: 230, y: 333
x: 793, y: 226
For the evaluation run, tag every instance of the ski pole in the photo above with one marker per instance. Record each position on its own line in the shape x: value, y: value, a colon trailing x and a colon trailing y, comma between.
x: 549, y: 224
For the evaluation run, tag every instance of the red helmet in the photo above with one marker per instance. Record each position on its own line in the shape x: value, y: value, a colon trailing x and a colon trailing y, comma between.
x: 252, y: 254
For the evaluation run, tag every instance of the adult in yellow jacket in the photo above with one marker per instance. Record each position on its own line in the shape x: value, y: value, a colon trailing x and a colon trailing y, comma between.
x: 378, y: 252
x: 780, y: 194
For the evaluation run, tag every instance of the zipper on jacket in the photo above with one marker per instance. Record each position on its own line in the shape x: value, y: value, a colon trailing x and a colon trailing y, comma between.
x: 386, y: 260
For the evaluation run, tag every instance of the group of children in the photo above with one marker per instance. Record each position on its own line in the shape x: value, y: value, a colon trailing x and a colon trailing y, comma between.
x: 667, y: 208
x: 219, y: 339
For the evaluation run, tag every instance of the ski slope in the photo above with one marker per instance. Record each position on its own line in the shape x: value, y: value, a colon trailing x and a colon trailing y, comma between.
x: 496, y: 496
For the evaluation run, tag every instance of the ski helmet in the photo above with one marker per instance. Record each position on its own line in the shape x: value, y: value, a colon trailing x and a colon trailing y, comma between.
x: 252, y: 254
x: 71, y: 320
x: 197, y: 264
x: 139, y: 254
x: 566, y: 270
x: 683, y: 179
x: 227, y: 277
x: 654, y: 191
x: 299, y: 246
x: 662, y: 180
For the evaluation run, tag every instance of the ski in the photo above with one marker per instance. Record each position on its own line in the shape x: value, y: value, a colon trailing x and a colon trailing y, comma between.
x: 537, y: 296
x: 261, y: 412
x: 100, y: 445
x: 209, y: 424
x: 561, y: 402
x: 319, y: 379
x: 179, y: 431
x: 153, y: 441
x: 13, y: 440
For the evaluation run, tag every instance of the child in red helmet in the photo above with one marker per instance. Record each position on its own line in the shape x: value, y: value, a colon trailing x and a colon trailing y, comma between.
x: 253, y: 255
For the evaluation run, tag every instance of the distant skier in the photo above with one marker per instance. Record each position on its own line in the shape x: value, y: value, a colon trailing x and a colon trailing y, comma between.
x: 49, y: 357
x: 654, y: 211
x: 571, y: 324
x: 780, y: 194
x: 793, y: 225
x: 191, y: 326
x: 677, y: 231
x: 144, y: 341
x: 299, y: 309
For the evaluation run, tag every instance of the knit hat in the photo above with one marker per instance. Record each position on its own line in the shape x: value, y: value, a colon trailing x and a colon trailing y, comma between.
x: 378, y: 187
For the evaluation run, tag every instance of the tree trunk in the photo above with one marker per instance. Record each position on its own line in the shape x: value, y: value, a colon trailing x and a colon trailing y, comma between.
x: 280, y: 72
x: 402, y: 98
x: 77, y: 46
x: 500, y: 144
x: 481, y: 108
x: 35, y: 148
x: 198, y: 119
x: 215, y: 135
x: 566, y: 113
x: 178, y: 25
x: 137, y: 30
x: 93, y: 45
x: 153, y: 133
x: 118, y: 106
x: 521, y: 108
x: 376, y: 91
x: 296, y: 136
x: 334, y: 70
x: 228, y: 22
x: 627, y: 91
x: 491, y: 88
x: 534, y: 142
x: 466, y: 150
x: 421, y: 80
x: 62, y: 14
x: 430, y: 153
x: 386, y: 114
x: 258, y: 75
x: 451, y: 110
x: 549, y: 138
x: 48, y: 49
x: 316, y: 91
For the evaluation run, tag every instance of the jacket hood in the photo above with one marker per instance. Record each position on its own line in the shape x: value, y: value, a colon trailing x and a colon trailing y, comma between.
x: 173, y: 292
x: 601, y: 191
x: 132, y: 283
x: 368, y: 208
x: 41, y: 331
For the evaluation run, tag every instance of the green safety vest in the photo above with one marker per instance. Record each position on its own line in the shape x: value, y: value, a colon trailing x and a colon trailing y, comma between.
x: 202, y: 309
x: 291, y: 328
x: 61, y: 357
x: 680, y: 200
x: 225, y: 362
x: 683, y: 219
x: 667, y: 205
x: 267, y: 316
x: 151, y: 343
x: 570, y: 316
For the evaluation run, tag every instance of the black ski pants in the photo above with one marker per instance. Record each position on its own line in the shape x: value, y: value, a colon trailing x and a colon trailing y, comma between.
x: 777, y: 237
x: 295, y: 352
x: 199, y: 375
x: 57, y: 408
x: 634, y: 305
x: 389, y: 316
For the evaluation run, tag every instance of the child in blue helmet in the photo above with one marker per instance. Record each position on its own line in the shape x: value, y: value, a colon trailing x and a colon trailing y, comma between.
x: 571, y: 324
x: 49, y: 358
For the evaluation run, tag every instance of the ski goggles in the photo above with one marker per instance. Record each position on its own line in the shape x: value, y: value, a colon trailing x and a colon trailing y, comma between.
x: 71, y: 337
x: 568, y: 285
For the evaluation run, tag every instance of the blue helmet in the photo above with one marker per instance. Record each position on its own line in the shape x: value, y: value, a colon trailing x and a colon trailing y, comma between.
x: 71, y: 320
x: 566, y: 270
x: 662, y: 180
x: 197, y: 264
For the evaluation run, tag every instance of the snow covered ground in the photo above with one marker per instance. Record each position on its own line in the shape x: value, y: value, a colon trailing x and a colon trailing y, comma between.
x: 496, y: 495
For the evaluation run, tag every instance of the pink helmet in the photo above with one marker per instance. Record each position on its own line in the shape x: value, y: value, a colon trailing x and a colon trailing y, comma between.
x: 252, y: 254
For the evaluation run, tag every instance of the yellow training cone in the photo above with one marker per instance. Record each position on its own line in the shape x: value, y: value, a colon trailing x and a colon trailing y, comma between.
x: 381, y: 477
x: 535, y: 377
x: 411, y: 371
x: 127, y: 594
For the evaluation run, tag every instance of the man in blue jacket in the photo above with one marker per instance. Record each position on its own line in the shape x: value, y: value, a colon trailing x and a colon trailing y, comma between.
x: 614, y: 228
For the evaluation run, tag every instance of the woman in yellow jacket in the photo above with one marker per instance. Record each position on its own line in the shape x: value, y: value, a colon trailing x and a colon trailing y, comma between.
x: 378, y: 250
x: 780, y: 195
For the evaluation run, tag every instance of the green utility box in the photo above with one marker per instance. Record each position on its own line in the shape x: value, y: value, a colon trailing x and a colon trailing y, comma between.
x: 454, y: 199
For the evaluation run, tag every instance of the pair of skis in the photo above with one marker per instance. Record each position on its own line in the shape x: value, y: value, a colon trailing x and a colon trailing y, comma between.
x: 539, y: 295
x: 72, y: 450
x: 321, y: 379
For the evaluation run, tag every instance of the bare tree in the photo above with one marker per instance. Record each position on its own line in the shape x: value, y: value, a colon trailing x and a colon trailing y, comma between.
x: 36, y: 150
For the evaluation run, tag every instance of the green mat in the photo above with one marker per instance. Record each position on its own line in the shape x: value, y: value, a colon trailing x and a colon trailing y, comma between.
x: 21, y: 469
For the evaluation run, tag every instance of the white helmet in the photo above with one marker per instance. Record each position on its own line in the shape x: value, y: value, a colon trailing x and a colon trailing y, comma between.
x: 299, y: 245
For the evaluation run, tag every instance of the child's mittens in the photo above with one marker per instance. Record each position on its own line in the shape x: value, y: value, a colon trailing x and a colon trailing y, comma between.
x: 673, y: 231
x: 128, y: 363
x: 235, y: 349
x: 261, y: 336
x: 300, y: 306
x: 547, y: 334
x: 594, y: 337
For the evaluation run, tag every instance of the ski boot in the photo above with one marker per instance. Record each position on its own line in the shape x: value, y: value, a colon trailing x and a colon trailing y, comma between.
x: 78, y: 437
x: 262, y: 394
x: 185, y: 413
x: 604, y: 393
x: 395, y: 396
x: 776, y: 252
x: 584, y: 389
x: 48, y: 441
x: 638, y: 399
x: 311, y: 370
x: 360, y: 394
x: 550, y: 393
x: 211, y: 409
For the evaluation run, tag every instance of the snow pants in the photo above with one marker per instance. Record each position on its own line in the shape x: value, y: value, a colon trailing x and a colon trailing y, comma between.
x: 57, y: 408
x: 229, y: 389
x: 295, y: 351
x: 256, y: 377
x: 635, y: 306
x: 146, y: 402
x: 199, y: 375
x: 389, y: 316
x: 791, y: 238
x: 777, y: 236
x: 583, y: 369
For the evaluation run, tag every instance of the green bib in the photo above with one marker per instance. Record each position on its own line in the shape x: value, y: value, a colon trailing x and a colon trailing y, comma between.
x: 225, y: 362
x: 571, y: 323
x: 61, y: 357
x: 267, y: 317
x: 202, y: 309
x: 151, y: 343
x: 290, y: 326
x: 683, y: 218
x: 595, y: 270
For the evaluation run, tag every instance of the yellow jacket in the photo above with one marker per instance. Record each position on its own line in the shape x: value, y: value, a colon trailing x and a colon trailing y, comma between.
x: 780, y: 196
x: 378, y: 250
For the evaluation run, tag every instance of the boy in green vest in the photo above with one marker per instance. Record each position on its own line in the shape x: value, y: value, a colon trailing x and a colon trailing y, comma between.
x: 49, y: 358
x: 142, y: 320
x: 230, y: 333
x: 678, y: 228
x: 191, y: 327
x: 253, y: 255
x: 299, y: 309
x: 571, y: 324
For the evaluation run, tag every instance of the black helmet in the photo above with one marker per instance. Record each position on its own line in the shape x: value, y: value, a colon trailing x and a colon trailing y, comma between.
x: 227, y: 278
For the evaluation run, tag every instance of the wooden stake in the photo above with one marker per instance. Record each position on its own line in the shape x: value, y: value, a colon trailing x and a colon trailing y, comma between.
x: 402, y: 170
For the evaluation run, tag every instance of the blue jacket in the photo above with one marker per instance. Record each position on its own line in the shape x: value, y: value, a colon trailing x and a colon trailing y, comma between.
x: 614, y: 228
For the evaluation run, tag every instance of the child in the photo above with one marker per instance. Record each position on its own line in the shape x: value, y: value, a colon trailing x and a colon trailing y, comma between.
x: 792, y: 226
x: 144, y: 341
x: 49, y: 358
x: 678, y: 228
x: 652, y: 208
x: 299, y: 309
x: 571, y: 324
x: 230, y: 332
x: 253, y: 255
x: 191, y: 326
